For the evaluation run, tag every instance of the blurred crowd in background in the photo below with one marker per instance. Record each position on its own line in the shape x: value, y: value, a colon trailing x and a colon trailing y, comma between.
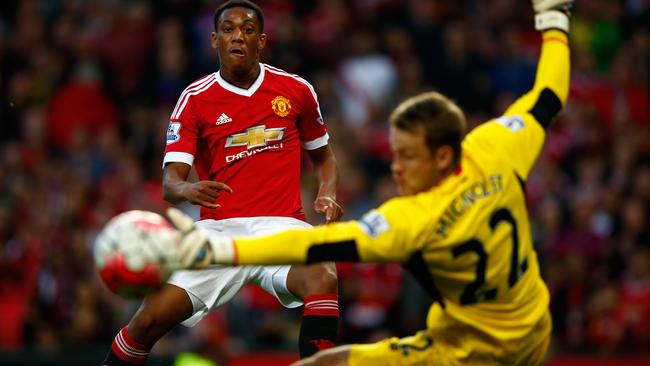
x: 87, y: 88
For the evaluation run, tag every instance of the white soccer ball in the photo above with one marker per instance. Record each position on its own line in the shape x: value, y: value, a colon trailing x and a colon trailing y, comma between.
x: 136, y: 252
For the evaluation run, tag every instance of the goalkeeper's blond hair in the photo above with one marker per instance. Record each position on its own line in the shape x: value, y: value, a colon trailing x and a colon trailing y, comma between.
x: 443, y: 121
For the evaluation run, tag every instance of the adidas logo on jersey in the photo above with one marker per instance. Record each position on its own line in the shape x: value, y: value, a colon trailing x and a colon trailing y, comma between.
x: 223, y: 118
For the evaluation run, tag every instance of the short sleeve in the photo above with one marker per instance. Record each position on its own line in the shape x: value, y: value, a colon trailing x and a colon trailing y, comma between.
x: 313, y: 133
x: 182, y: 133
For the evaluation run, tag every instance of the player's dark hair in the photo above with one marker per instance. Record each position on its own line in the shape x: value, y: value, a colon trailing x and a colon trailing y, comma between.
x: 239, y: 3
x: 443, y: 121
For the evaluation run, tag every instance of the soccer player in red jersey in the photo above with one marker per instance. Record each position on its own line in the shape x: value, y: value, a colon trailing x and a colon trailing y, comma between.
x: 242, y: 128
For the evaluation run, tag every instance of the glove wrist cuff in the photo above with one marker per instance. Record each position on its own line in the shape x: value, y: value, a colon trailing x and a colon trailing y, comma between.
x: 552, y: 19
x: 223, y: 250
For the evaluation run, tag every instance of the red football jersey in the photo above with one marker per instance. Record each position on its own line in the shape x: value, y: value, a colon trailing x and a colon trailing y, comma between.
x: 249, y: 139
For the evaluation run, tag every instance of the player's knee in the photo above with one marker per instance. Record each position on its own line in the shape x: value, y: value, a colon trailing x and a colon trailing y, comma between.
x: 322, y: 279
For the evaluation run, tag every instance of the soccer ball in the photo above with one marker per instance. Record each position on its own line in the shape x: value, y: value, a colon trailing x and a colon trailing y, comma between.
x: 136, y: 252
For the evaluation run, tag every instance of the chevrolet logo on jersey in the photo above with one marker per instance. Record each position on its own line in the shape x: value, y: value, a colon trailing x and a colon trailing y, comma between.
x: 255, y: 137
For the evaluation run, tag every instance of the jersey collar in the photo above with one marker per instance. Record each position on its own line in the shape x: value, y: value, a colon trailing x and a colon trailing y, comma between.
x: 241, y: 91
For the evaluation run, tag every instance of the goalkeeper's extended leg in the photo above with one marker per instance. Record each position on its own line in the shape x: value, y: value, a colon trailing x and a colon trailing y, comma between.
x: 157, y: 315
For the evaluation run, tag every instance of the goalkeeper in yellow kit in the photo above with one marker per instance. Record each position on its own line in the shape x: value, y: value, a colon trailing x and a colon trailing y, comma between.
x: 460, y: 227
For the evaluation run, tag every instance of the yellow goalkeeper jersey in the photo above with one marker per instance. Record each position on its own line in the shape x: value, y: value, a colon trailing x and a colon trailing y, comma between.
x: 467, y: 240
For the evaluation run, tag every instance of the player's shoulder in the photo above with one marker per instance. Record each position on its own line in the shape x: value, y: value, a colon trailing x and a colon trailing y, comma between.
x: 411, y: 214
x: 408, y: 205
x: 197, y: 87
x: 286, y: 77
x: 488, y: 127
x: 490, y: 132
x: 495, y: 132
x: 480, y: 137
x: 202, y: 83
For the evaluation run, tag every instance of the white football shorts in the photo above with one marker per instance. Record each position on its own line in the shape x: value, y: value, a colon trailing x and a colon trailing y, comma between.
x: 212, y: 287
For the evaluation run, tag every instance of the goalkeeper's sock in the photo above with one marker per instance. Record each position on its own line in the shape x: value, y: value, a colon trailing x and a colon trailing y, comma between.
x: 125, y: 351
x: 320, y: 322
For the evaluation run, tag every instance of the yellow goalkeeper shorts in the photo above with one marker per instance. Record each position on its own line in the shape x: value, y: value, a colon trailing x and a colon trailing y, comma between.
x: 425, y: 349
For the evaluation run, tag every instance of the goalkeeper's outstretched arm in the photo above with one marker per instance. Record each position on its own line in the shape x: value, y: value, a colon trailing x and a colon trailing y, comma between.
x: 384, y: 235
x: 520, y: 132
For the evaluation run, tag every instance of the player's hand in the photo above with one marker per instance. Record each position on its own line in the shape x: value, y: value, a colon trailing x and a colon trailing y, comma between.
x: 199, y: 249
x: 328, y: 206
x: 552, y: 14
x: 204, y: 192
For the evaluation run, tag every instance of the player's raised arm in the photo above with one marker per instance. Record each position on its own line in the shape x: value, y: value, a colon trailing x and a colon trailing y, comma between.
x: 551, y: 88
x: 519, y: 134
x: 383, y: 235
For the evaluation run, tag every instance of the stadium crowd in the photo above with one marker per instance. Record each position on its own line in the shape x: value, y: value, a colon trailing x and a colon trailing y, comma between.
x: 87, y: 88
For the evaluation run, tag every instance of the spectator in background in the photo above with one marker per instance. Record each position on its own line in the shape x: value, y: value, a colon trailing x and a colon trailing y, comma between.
x: 366, y: 80
x: 70, y: 127
x: 20, y: 265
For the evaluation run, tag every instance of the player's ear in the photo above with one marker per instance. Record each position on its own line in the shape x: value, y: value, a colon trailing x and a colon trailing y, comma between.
x: 214, y: 41
x: 262, y: 42
x: 444, y: 157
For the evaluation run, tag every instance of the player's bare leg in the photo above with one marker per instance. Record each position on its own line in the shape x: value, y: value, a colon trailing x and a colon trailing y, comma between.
x: 158, y: 314
x: 317, y: 285
x: 331, y: 357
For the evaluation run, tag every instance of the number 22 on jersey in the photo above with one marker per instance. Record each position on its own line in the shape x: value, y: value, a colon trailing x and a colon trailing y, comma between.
x: 474, y: 293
